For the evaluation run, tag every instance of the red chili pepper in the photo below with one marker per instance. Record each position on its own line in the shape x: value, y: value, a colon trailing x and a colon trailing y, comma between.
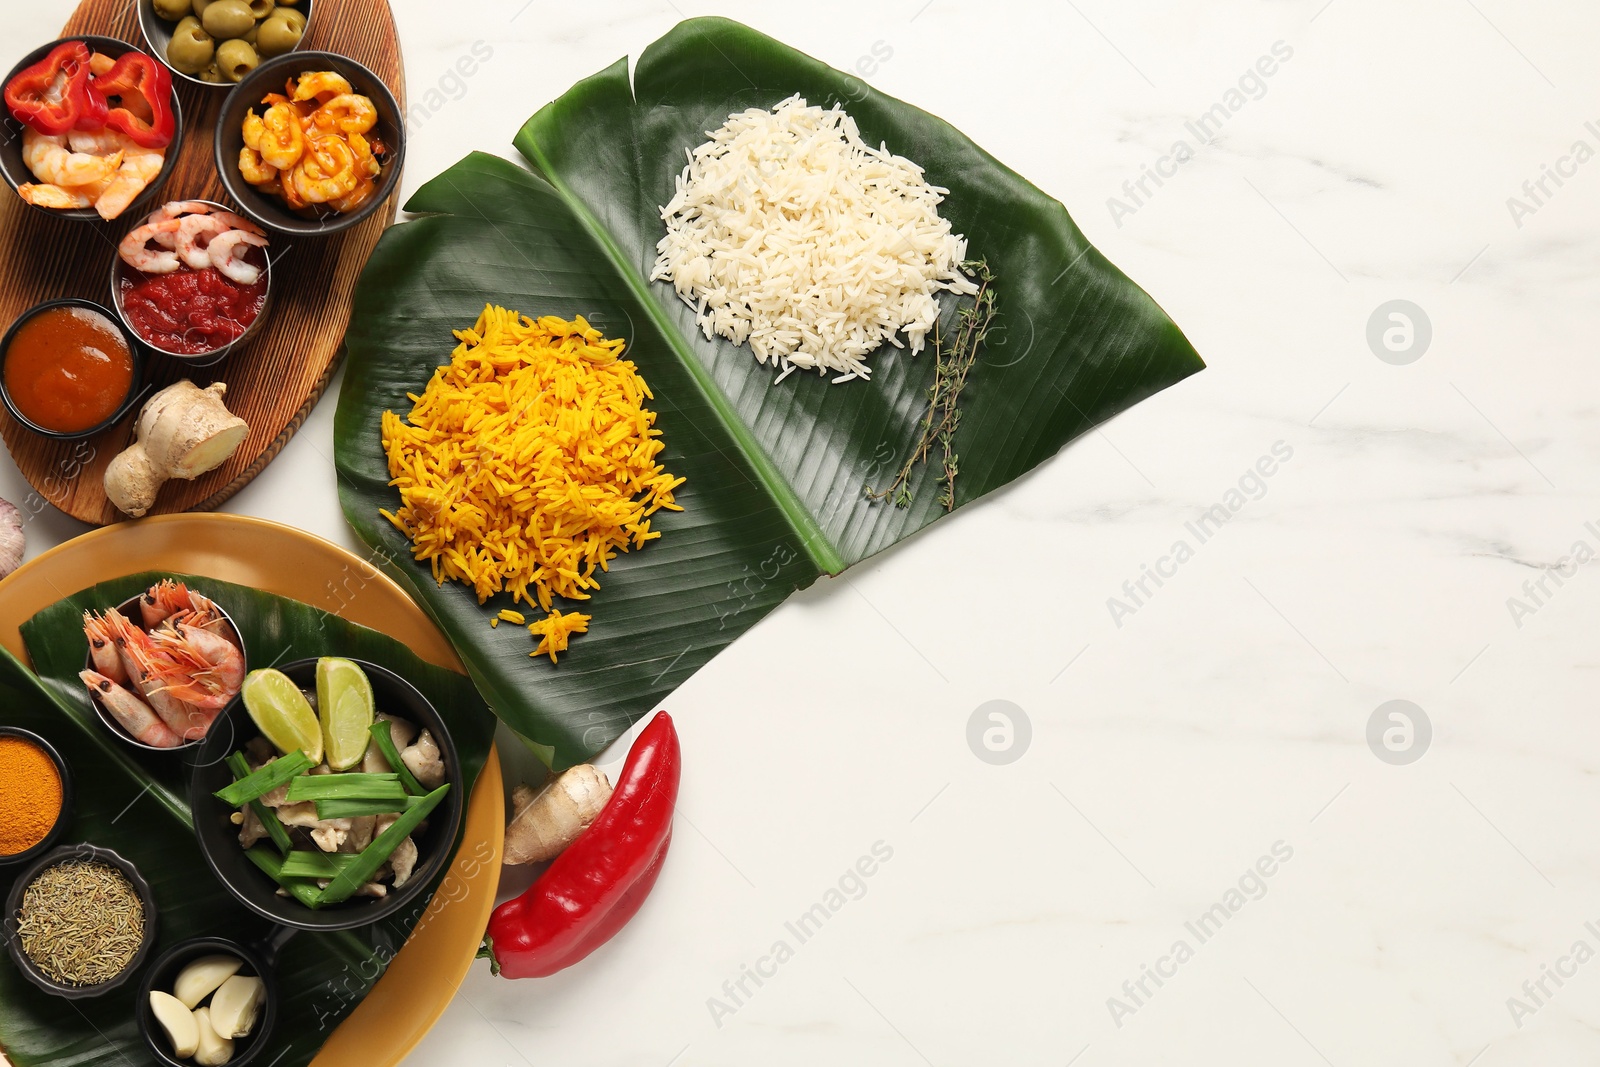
x: 142, y: 90
x: 55, y: 94
x: 591, y: 890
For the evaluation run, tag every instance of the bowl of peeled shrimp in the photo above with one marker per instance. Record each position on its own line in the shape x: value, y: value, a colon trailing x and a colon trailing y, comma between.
x: 95, y: 173
x: 193, y: 281
x: 310, y: 144
x: 162, y: 665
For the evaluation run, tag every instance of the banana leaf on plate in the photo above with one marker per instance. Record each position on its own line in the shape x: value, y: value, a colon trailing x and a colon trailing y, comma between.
x: 135, y: 804
x: 775, y: 473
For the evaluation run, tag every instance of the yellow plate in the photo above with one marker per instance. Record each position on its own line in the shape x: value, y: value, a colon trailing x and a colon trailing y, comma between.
x: 424, y: 976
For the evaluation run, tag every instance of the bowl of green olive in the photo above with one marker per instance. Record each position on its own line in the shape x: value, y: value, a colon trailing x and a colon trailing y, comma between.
x: 218, y: 42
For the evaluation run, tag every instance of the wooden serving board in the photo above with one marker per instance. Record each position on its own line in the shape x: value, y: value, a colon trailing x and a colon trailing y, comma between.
x: 275, y: 380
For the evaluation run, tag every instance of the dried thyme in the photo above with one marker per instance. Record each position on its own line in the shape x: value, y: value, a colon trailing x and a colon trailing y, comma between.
x: 81, y: 922
x: 953, y: 360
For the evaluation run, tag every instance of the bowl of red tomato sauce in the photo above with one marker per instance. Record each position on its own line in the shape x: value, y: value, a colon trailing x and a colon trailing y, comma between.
x: 193, y: 281
x: 69, y: 369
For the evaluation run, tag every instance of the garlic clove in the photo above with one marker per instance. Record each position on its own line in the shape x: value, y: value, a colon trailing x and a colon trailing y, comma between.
x: 236, y: 1004
x: 201, y: 978
x: 213, y: 1050
x: 177, y: 1021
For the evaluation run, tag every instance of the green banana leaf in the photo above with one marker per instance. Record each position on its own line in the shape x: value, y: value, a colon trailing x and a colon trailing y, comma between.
x: 776, y: 473
x: 134, y: 804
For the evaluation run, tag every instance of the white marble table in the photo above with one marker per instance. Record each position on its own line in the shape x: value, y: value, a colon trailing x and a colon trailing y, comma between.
x: 1210, y: 727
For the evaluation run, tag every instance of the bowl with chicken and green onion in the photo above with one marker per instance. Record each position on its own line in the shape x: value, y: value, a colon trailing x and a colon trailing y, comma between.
x: 327, y: 796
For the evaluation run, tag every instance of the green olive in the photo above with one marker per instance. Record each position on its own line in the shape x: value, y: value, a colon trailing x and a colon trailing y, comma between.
x: 225, y: 19
x: 200, y: 7
x: 261, y: 8
x: 212, y: 74
x: 192, y: 47
x: 277, y: 36
x: 293, y: 17
x: 236, y: 59
x: 171, y: 10
x: 249, y: 36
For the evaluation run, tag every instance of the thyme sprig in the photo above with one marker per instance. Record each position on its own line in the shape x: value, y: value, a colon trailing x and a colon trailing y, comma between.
x: 953, y: 359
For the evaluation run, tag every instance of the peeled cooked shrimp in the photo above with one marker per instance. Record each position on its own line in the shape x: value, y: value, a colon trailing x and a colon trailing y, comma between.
x: 139, y: 168
x: 200, y: 207
x: 136, y: 253
x: 54, y: 196
x: 103, y: 142
x: 346, y: 113
x: 53, y: 164
x: 195, y: 234
x: 321, y: 86
x: 283, y: 139
x: 253, y: 168
x: 326, y: 172
x: 227, y: 252
x: 135, y: 715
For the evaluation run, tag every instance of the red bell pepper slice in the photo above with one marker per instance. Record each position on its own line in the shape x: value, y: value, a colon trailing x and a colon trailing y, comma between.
x: 593, y: 888
x: 55, y: 95
x: 138, y: 92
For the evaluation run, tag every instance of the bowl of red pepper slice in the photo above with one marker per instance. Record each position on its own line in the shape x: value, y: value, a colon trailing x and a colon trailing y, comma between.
x: 53, y: 90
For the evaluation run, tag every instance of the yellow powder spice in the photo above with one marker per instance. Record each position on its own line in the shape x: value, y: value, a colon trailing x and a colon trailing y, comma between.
x: 30, y: 795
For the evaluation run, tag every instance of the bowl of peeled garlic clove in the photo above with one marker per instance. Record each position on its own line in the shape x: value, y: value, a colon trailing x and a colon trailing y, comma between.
x: 208, y: 1002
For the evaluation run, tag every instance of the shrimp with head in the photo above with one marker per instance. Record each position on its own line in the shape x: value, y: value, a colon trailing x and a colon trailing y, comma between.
x: 164, y: 599
x: 134, y: 714
x: 103, y: 647
x: 201, y: 668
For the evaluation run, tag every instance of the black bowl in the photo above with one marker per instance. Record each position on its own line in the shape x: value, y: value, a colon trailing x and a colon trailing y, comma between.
x: 158, y: 35
x: 270, y: 211
x: 16, y: 172
x: 121, y: 270
x: 30, y: 970
x: 130, y: 610
x: 62, y: 819
x: 219, y: 837
x: 135, y: 348
x: 163, y: 974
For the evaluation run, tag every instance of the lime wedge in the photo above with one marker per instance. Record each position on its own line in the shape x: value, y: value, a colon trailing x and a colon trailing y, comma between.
x: 344, y: 700
x: 282, y: 713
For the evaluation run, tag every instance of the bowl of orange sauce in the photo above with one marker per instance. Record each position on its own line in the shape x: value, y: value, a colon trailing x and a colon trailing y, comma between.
x: 69, y: 369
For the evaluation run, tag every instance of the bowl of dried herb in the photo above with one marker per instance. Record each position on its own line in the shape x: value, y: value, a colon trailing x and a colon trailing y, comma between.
x: 80, y: 922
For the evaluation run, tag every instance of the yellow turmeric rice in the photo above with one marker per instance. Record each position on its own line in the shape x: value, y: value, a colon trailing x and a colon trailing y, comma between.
x: 528, y: 463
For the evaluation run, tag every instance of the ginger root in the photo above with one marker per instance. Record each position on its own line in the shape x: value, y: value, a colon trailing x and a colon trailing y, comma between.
x: 548, y: 821
x: 183, y: 432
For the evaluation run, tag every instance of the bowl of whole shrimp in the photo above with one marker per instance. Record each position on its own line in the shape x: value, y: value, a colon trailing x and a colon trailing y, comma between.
x: 193, y: 281
x: 162, y: 665
x: 91, y: 128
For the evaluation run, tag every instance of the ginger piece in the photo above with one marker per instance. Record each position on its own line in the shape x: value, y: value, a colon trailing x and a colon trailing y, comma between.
x: 548, y: 821
x: 183, y: 431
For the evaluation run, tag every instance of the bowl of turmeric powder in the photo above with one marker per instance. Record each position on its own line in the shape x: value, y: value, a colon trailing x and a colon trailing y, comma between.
x: 35, y: 795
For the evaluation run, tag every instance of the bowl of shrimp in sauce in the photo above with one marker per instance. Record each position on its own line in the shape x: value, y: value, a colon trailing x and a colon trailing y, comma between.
x: 162, y: 665
x: 310, y: 144
x: 94, y: 174
x: 193, y: 281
